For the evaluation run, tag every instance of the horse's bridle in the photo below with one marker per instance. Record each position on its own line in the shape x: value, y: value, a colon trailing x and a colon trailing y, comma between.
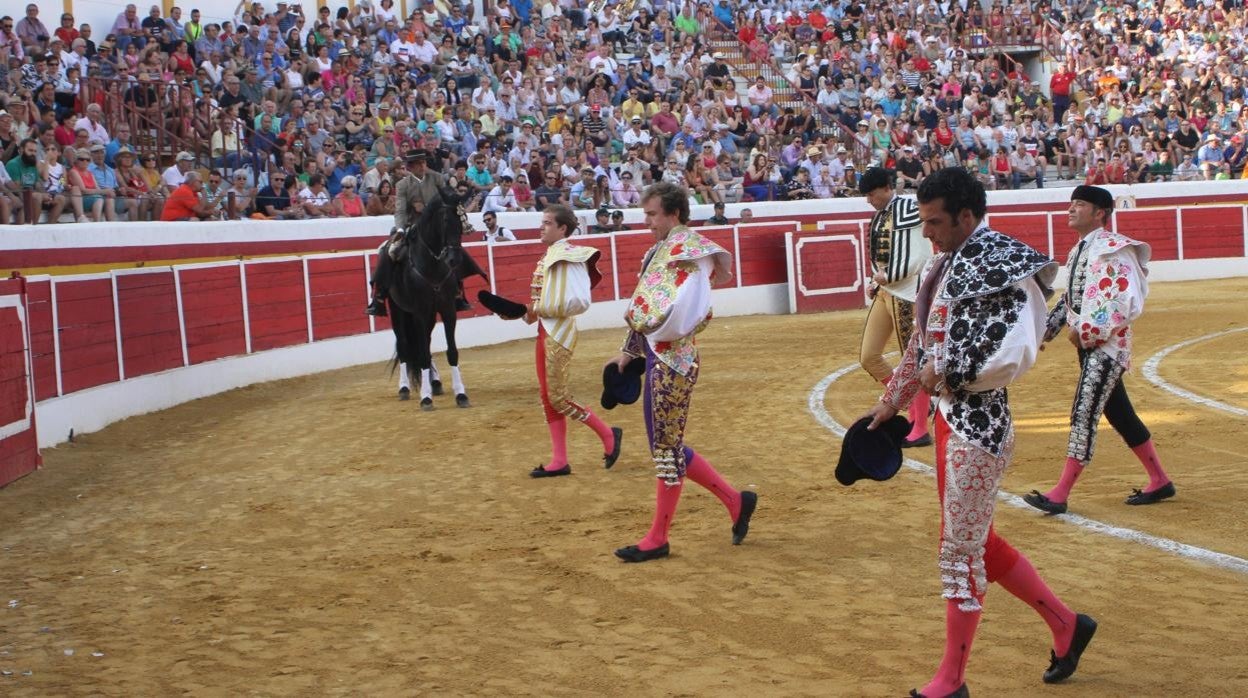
x: 439, y: 257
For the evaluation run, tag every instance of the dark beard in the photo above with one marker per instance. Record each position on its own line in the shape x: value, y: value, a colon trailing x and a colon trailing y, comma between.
x: 29, y: 160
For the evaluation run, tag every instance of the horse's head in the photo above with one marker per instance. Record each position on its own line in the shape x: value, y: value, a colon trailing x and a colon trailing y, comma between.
x: 440, y: 230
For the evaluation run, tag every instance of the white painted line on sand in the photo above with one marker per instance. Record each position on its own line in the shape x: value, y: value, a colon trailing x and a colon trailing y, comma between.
x: 1230, y: 562
x: 1151, y: 366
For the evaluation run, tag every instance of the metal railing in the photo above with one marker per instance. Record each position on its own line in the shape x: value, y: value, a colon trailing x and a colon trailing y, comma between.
x: 161, y: 116
x: 777, y: 77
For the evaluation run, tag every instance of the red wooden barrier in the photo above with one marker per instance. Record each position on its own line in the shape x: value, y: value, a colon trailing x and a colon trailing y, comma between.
x: 212, y: 309
x: 151, y: 335
x: 1212, y: 232
x: 1158, y: 227
x: 827, y: 270
x: 630, y: 252
x: 276, y: 305
x: 19, y: 441
x: 42, y: 338
x: 1064, y: 239
x: 337, y: 297
x: 88, y: 333
x: 762, y: 255
x: 513, y: 269
x: 1030, y: 228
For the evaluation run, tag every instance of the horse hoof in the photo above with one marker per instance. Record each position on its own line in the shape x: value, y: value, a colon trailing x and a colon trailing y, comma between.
x: 405, y: 393
x: 436, y: 385
x: 426, y: 404
x: 461, y: 400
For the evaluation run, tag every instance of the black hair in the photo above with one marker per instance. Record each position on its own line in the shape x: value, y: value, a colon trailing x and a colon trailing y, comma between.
x: 673, y: 199
x: 958, y: 189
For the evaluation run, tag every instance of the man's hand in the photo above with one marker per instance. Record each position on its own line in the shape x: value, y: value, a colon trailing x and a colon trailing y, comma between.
x: 931, y: 382
x: 620, y: 360
x: 880, y: 278
x: 879, y: 414
x: 1073, y: 336
x: 530, y: 315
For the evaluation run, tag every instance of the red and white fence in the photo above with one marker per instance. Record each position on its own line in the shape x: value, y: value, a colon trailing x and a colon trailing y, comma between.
x: 19, y: 447
x: 83, y: 350
x: 828, y: 266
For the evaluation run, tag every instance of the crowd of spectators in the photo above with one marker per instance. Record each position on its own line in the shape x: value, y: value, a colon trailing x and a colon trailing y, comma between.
x: 304, y: 113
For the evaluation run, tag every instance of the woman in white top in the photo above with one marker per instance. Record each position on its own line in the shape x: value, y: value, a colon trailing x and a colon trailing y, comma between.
x: 385, y: 11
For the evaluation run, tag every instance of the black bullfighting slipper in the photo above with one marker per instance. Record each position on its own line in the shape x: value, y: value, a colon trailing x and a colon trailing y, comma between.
x: 541, y: 471
x: 1044, y: 504
x: 609, y: 459
x: 962, y: 692
x: 1166, y: 491
x: 632, y: 553
x: 924, y: 440
x: 741, y: 528
x: 1060, y: 668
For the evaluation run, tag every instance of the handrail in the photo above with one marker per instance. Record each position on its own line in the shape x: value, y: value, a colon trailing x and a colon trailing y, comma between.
x: 774, y: 65
x: 154, y: 123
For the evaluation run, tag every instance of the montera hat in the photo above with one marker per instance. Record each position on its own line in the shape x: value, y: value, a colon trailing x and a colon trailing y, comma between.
x: 622, y: 387
x: 874, y: 178
x: 1098, y: 197
x: 874, y: 454
x: 505, y: 308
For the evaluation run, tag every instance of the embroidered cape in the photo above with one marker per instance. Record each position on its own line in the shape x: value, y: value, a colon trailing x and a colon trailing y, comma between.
x: 672, y: 302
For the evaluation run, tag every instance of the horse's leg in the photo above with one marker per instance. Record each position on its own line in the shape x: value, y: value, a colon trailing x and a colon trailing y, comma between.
x: 435, y: 376
x: 452, y: 357
x: 424, y: 361
x: 405, y: 382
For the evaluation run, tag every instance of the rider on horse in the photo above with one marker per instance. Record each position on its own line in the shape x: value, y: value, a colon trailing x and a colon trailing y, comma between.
x: 420, y: 187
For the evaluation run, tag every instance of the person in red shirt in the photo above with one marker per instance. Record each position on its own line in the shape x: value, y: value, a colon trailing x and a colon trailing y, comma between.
x: 1116, y: 172
x: 1099, y: 174
x: 1059, y: 88
x: 817, y: 20
x: 183, y: 204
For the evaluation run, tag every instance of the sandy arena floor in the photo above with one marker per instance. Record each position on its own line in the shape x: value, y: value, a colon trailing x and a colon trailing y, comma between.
x: 316, y: 537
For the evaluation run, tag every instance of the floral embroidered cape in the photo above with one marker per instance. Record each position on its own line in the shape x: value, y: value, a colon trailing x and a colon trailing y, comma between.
x: 672, y: 302
x: 1115, y: 284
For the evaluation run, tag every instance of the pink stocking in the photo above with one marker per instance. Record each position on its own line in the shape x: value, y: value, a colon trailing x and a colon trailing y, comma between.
x: 960, y: 629
x: 1157, y: 477
x: 1070, y: 472
x: 558, y: 443
x: 1024, y: 582
x: 702, y: 473
x: 665, y: 500
x: 918, y: 415
x: 602, y: 430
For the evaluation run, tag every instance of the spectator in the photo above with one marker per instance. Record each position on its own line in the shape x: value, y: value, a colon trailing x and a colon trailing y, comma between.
x: 718, y: 217
x: 315, y: 199
x: 175, y: 174
x: 381, y: 202
x: 348, y: 203
x: 273, y: 200
x: 184, y: 204
x: 239, y: 197
x: 86, y: 197
x: 495, y: 232
x: 602, y: 222
x: 106, y: 180
x: 501, y: 198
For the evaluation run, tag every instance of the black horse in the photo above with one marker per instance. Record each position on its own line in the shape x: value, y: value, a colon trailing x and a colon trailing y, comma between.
x: 429, y: 263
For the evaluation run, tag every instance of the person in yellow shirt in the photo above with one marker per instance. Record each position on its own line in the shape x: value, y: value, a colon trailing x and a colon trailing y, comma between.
x: 490, y: 123
x: 558, y: 121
